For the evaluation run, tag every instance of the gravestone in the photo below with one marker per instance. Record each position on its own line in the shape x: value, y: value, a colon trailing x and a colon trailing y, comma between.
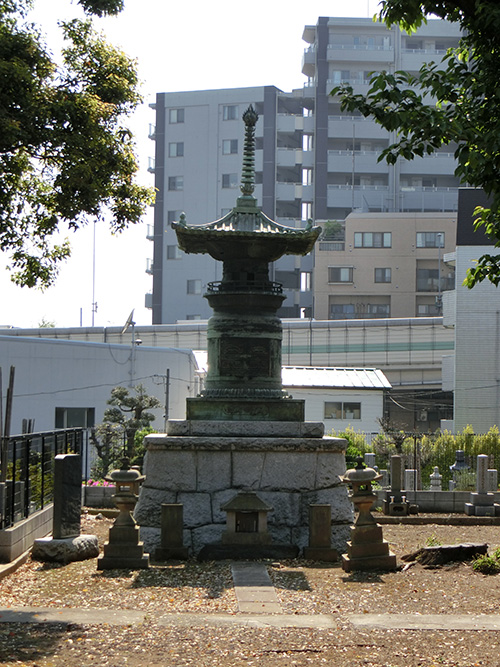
x: 66, y: 544
x: 436, y: 480
x: 67, y: 496
x: 370, y: 459
x: 171, y: 546
x: 482, y: 502
x: 395, y: 503
x: 492, y: 480
x: 320, y: 534
x: 411, y: 479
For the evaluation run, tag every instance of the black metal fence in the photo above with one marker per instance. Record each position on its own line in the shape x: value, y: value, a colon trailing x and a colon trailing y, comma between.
x: 27, y: 474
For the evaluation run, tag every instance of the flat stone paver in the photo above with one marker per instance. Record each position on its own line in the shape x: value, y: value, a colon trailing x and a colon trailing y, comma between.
x: 426, y: 621
x: 459, y: 622
x: 254, y: 589
x: 71, y: 615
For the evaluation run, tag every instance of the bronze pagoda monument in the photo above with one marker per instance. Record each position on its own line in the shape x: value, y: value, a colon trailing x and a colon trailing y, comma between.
x: 244, y: 436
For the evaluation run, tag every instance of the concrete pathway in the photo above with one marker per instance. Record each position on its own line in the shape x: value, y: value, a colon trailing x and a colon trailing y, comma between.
x: 254, y: 589
x: 256, y: 620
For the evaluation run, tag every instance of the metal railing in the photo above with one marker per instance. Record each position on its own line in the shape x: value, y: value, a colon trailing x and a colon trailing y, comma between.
x: 223, y: 286
x: 28, y: 470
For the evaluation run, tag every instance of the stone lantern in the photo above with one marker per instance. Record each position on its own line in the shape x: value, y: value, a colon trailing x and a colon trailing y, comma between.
x: 124, y: 550
x: 367, y: 550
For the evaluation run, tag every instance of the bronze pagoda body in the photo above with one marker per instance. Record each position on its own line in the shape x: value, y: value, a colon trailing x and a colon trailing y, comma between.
x: 244, y: 334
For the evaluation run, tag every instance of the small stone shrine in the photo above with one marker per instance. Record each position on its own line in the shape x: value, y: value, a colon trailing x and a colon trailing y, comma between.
x: 367, y: 550
x: 244, y: 432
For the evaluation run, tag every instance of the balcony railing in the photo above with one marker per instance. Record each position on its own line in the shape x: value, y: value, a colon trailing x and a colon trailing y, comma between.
x: 221, y: 286
x: 332, y: 246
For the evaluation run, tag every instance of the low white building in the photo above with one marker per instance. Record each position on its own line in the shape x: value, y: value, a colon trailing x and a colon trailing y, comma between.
x: 339, y: 397
x: 64, y: 383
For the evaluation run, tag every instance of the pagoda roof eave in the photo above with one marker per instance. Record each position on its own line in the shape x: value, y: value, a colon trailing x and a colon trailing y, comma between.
x: 293, y: 242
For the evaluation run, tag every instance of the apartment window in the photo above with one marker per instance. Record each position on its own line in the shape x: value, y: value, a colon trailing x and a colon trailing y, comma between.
x: 173, y: 216
x: 428, y: 310
x: 230, y: 112
x: 305, y: 281
x: 194, y: 286
x: 229, y: 180
x: 340, y: 75
x: 308, y: 142
x: 383, y: 275
x: 307, y: 176
x: 427, y: 280
x: 342, y: 311
x: 173, y: 252
x: 193, y: 317
x: 333, y: 410
x: 376, y: 310
x: 176, y: 149
x: 342, y: 410
x: 176, y: 115
x: 229, y: 146
x: 340, y: 274
x: 306, y: 210
x: 75, y: 417
x: 372, y: 239
x: 176, y: 182
x: 430, y: 239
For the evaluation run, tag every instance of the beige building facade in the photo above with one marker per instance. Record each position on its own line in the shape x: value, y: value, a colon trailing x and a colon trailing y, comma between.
x: 385, y: 265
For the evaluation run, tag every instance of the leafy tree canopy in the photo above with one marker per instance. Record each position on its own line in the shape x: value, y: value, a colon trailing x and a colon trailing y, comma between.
x: 465, y: 110
x: 65, y: 153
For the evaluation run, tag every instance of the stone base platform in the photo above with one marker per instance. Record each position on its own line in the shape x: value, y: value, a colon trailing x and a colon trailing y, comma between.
x: 208, y: 464
x: 247, y: 552
x: 386, y: 562
x: 65, y: 550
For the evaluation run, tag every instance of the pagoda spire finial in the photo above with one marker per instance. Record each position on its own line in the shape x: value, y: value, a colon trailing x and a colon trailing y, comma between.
x: 250, y: 118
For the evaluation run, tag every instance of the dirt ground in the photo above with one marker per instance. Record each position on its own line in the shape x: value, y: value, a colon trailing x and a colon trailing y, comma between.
x: 303, y: 587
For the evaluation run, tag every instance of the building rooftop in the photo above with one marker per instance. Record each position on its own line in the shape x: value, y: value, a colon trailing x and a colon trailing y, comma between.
x: 354, y: 378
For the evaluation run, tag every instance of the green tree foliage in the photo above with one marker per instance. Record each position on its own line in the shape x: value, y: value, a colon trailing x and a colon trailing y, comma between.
x: 108, y: 439
x: 65, y: 153
x: 465, y: 111
x: 130, y: 411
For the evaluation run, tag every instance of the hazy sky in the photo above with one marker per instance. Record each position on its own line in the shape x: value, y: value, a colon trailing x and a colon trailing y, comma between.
x: 179, y: 46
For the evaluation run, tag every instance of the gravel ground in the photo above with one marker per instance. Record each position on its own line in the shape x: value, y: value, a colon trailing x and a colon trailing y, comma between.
x: 303, y: 588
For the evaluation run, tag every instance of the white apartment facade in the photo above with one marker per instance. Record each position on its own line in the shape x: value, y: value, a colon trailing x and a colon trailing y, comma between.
x: 312, y: 160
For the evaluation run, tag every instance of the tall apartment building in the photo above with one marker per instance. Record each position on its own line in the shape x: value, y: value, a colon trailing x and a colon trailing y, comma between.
x: 312, y: 160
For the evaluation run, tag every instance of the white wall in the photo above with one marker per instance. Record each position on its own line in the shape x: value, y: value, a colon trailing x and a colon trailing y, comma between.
x: 477, y: 347
x: 59, y: 373
x: 371, y: 407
